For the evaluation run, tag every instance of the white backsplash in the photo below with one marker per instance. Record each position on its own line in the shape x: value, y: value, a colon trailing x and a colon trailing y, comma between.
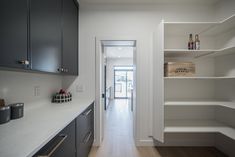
x: 27, y: 87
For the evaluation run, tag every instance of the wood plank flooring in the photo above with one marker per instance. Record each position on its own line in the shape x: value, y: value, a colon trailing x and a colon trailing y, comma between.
x: 118, y: 140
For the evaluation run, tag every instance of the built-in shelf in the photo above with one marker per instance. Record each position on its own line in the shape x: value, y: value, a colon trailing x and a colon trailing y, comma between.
x: 200, y: 78
x: 170, y: 53
x: 201, y: 28
x: 198, y: 126
x: 227, y: 104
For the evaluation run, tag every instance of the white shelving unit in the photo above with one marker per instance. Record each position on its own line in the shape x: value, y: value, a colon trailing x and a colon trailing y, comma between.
x: 184, y: 104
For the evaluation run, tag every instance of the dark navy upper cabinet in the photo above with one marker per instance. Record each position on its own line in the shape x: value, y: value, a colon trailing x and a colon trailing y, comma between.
x: 46, y: 35
x: 40, y: 35
x: 14, y: 33
x: 70, y: 37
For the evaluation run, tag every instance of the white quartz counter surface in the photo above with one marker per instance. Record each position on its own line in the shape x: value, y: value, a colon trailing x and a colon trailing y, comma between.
x: 41, y: 122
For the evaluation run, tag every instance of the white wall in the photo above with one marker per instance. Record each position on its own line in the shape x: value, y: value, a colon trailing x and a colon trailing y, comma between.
x: 139, y: 21
x: 111, y: 62
x: 224, y: 9
x: 19, y: 86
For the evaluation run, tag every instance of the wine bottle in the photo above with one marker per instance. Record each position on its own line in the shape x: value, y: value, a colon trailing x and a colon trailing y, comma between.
x: 197, y: 42
x: 190, y: 42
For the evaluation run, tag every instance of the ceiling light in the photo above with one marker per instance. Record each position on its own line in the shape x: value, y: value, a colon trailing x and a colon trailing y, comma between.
x: 119, y: 48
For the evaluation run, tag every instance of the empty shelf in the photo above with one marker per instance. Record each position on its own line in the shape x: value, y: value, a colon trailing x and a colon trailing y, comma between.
x: 201, y: 78
x: 227, y: 104
x: 198, y: 126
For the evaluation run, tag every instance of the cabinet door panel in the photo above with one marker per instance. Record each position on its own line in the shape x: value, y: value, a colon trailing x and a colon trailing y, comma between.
x: 14, y: 31
x: 46, y: 35
x: 70, y: 37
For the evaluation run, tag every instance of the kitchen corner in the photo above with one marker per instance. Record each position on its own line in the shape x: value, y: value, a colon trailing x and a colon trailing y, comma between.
x: 42, y: 121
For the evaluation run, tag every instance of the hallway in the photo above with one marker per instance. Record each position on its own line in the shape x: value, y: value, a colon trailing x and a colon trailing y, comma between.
x: 119, y: 142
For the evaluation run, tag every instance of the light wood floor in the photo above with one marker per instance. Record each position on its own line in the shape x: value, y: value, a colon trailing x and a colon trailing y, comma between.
x: 118, y: 140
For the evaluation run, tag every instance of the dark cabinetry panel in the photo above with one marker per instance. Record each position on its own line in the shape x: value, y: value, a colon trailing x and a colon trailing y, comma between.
x: 85, y: 132
x: 45, y: 35
x: 41, y: 35
x: 13, y: 33
x: 75, y: 140
x: 63, y: 145
x: 70, y: 37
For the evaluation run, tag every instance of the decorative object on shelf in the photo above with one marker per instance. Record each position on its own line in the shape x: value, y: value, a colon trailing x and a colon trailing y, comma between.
x: 177, y: 69
x: 197, y: 42
x: 62, y: 97
x: 5, y: 114
x: 2, y: 102
x: 190, y: 42
x: 17, y: 110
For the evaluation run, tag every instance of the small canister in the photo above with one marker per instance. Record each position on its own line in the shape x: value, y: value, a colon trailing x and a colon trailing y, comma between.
x: 17, y: 110
x: 5, y: 114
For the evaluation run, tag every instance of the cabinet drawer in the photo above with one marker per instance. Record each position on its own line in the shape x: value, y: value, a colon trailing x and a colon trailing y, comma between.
x: 85, y: 131
x: 63, y: 145
x: 85, y: 146
x: 84, y: 123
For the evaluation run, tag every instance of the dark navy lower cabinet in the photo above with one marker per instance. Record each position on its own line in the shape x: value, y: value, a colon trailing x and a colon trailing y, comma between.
x: 85, y: 131
x: 63, y: 145
x: 75, y: 140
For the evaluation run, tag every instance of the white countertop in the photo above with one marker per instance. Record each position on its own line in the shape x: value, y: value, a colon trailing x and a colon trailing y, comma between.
x: 41, y: 122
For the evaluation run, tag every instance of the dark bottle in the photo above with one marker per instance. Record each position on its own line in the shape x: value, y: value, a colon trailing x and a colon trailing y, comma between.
x: 190, y: 42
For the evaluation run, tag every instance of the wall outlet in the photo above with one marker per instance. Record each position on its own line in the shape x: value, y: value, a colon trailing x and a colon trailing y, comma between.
x: 79, y: 88
x: 36, y: 90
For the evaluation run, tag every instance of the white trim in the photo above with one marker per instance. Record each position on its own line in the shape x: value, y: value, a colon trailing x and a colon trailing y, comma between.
x: 145, y: 143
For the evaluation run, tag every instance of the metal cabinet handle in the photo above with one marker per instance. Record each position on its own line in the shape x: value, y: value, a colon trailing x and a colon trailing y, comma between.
x: 87, y: 137
x: 56, y: 147
x: 60, y: 69
x: 88, y: 112
x: 63, y: 70
x: 66, y: 70
x: 23, y: 62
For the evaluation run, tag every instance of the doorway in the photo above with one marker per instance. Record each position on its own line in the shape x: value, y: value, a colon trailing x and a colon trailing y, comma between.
x: 123, y: 82
x: 115, y: 85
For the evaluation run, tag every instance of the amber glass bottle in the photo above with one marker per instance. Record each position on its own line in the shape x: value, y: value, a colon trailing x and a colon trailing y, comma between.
x: 190, y: 42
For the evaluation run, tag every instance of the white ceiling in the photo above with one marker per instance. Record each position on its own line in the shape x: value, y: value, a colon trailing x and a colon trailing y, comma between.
x: 119, y: 52
x: 147, y: 1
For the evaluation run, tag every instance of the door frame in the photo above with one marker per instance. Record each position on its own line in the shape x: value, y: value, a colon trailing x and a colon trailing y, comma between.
x: 114, y: 81
x: 99, y: 109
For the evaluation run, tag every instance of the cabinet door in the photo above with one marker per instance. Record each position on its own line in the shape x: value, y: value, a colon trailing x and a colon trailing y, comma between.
x: 13, y: 33
x: 70, y: 37
x: 46, y: 35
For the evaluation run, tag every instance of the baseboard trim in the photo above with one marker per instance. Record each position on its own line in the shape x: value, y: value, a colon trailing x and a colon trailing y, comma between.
x: 144, y: 143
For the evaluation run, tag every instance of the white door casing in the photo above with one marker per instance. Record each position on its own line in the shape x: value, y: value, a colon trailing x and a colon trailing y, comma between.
x: 158, y: 84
